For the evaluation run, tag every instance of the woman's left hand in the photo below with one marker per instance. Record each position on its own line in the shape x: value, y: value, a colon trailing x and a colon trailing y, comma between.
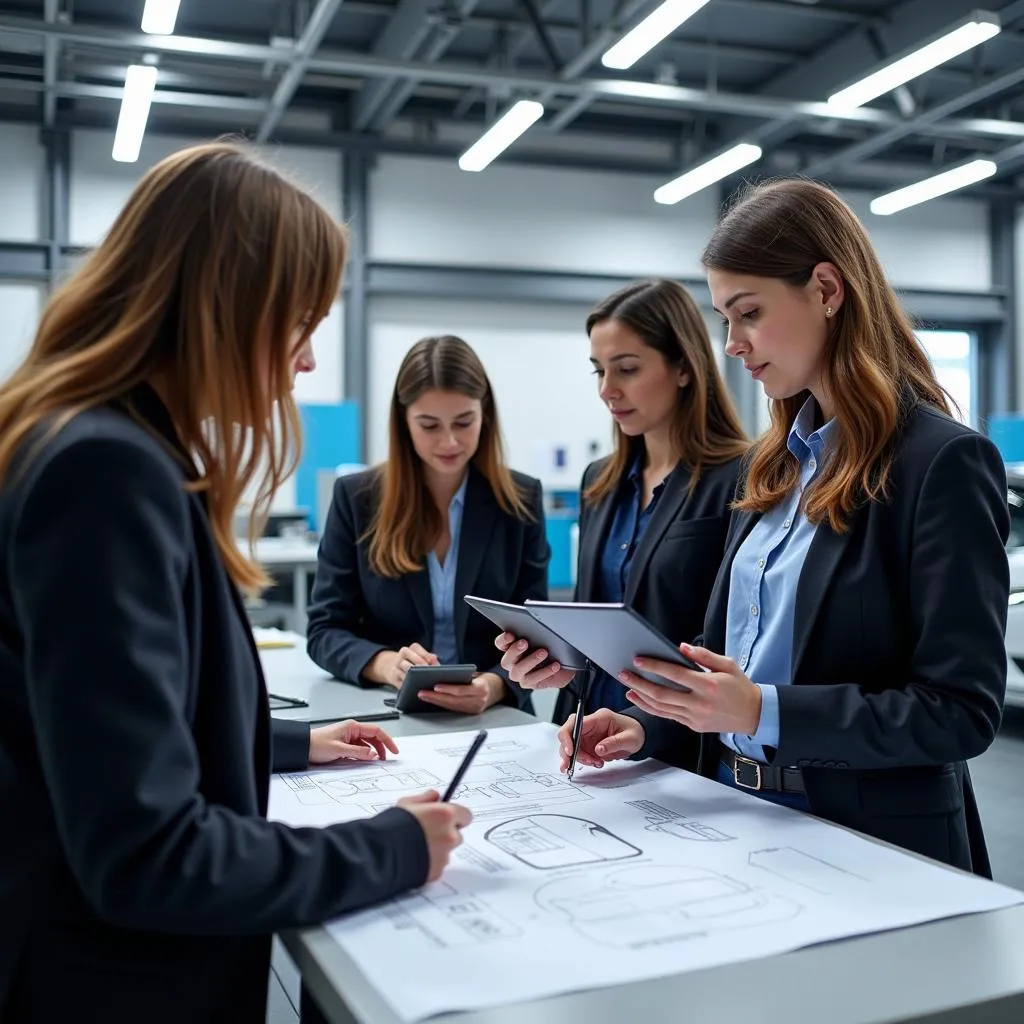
x: 466, y: 698
x: 349, y: 741
x: 722, y: 699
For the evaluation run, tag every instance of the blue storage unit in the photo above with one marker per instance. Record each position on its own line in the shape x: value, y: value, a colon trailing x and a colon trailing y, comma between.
x: 1007, y: 433
x: 561, y: 513
x: 330, y: 436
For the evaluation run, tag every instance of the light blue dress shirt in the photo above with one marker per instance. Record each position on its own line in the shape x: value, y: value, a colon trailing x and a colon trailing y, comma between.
x: 763, y: 583
x: 442, y: 583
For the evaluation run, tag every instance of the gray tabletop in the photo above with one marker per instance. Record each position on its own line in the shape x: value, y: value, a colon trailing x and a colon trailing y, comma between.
x: 967, y: 970
x: 290, y: 673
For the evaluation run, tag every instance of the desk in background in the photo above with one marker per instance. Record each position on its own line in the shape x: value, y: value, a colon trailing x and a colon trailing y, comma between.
x: 967, y: 970
x: 288, y: 554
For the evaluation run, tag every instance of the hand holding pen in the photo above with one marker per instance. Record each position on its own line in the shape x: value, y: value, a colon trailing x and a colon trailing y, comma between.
x: 604, y: 736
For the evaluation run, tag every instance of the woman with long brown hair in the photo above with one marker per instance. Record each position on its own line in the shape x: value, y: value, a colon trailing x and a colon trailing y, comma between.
x: 405, y: 541
x: 139, y: 877
x: 853, y: 644
x: 654, y: 513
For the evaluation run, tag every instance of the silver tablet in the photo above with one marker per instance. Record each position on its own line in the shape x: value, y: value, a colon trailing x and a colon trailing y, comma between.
x: 611, y: 636
x: 518, y: 620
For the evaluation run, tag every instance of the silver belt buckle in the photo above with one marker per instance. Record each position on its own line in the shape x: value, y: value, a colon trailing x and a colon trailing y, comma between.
x: 741, y: 764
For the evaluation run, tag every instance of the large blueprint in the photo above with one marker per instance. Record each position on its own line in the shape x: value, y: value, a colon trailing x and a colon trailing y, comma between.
x: 632, y: 872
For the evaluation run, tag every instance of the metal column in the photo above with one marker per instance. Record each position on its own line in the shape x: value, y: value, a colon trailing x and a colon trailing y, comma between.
x: 355, y: 207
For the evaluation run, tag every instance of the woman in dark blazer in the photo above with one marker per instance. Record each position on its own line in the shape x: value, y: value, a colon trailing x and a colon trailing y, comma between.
x: 653, y: 515
x: 854, y: 637
x: 405, y: 542
x: 139, y: 877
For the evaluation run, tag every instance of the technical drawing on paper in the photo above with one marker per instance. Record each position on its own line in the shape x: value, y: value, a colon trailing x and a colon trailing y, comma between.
x: 503, y: 748
x: 547, y: 841
x: 649, y: 905
x: 370, y: 788
x: 661, y: 819
x: 490, y: 790
x: 448, y: 917
x: 803, y: 868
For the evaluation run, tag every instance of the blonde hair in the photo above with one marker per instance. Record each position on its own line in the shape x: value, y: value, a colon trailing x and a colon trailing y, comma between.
x: 206, y: 273
x: 874, y: 368
x: 407, y: 522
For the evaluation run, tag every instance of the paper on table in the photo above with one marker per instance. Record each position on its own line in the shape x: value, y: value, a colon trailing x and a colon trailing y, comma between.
x: 269, y: 637
x: 640, y: 869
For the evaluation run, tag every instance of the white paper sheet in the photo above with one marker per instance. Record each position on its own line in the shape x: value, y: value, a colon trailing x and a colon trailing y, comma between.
x: 632, y: 872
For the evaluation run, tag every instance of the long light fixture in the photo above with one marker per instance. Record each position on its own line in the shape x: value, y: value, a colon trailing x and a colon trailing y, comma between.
x: 139, y: 83
x: 982, y: 26
x: 707, y: 173
x: 501, y: 134
x: 938, y: 185
x: 159, y: 16
x: 658, y: 25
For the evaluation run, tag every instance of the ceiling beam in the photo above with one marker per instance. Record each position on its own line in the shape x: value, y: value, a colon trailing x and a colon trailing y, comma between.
x: 402, y: 36
x: 305, y: 46
x: 935, y: 115
x: 612, y: 89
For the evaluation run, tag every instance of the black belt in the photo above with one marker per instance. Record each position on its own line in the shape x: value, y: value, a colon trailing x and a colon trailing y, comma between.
x: 750, y: 774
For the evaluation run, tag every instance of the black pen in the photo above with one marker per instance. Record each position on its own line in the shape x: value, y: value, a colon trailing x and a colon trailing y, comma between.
x: 577, y: 728
x: 474, y: 749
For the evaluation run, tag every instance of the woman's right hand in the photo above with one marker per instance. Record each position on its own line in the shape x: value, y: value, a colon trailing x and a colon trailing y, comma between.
x: 522, y: 665
x: 441, y: 823
x: 606, y: 736
x: 389, y: 667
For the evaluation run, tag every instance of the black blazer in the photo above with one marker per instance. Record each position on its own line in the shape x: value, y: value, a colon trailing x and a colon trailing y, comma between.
x: 899, y: 658
x: 139, y: 878
x: 355, y: 613
x: 676, y: 562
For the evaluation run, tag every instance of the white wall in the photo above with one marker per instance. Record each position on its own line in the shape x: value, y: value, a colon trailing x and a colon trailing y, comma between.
x: 428, y: 211
x: 22, y: 184
x: 536, y: 358
x: 940, y: 244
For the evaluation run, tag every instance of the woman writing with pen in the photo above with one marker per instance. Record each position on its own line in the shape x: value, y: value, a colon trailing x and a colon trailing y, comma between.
x: 654, y: 514
x: 853, y: 646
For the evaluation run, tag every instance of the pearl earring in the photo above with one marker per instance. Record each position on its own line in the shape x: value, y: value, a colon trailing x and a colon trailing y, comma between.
x: 829, y: 311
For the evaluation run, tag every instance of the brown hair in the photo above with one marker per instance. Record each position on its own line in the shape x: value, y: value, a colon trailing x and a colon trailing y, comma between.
x: 874, y: 366
x: 706, y: 430
x: 205, y: 274
x: 407, y: 521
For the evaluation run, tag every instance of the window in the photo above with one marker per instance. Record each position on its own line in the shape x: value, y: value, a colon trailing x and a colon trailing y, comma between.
x: 953, y: 356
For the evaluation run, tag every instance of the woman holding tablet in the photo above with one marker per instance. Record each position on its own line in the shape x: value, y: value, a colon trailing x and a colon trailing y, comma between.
x: 654, y: 514
x: 403, y: 542
x: 854, y: 639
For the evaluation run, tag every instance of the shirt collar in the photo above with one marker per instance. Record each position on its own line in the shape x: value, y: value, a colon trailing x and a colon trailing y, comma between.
x: 459, y: 497
x: 803, y: 439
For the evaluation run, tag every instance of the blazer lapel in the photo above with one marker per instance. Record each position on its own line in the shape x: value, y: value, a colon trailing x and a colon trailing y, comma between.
x: 599, y: 522
x: 819, y: 566
x: 670, y: 504
x: 479, y: 515
x: 718, y: 604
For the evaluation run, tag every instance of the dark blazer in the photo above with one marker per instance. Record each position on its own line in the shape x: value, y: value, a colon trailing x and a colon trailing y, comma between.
x: 355, y: 613
x: 139, y: 878
x: 899, y: 662
x: 676, y: 562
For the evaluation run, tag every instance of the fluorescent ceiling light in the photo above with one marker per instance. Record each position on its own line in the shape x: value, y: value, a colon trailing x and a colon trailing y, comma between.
x: 982, y: 26
x: 659, y: 24
x: 159, y: 16
x: 139, y: 83
x: 939, y: 185
x: 707, y: 173
x: 501, y: 134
